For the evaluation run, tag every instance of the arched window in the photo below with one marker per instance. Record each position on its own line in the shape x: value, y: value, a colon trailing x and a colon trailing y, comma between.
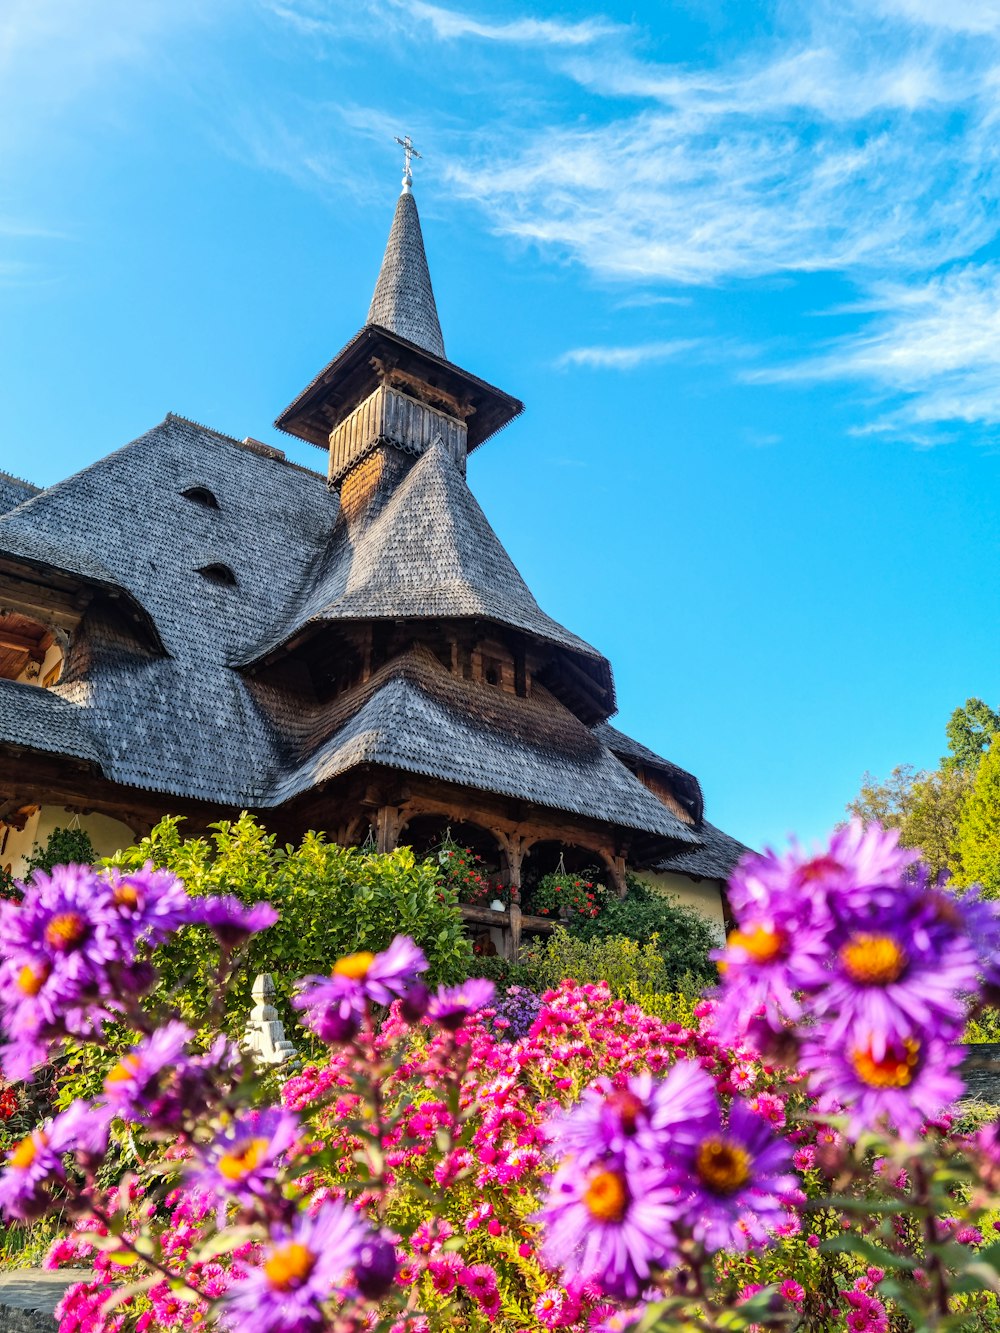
x: 219, y: 574
x: 201, y: 495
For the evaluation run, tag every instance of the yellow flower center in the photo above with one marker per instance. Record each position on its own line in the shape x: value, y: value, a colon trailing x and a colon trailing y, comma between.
x: 605, y: 1197
x: 32, y: 977
x: 126, y: 895
x: 289, y: 1266
x: 64, y: 930
x: 894, y: 1070
x: 762, y: 943
x: 723, y: 1166
x: 236, y: 1165
x: 24, y: 1153
x: 126, y: 1068
x: 355, y: 966
x: 874, y: 960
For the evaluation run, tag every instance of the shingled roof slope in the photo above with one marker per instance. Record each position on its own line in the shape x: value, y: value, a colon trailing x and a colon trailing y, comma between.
x: 429, y: 552
x: 184, y: 724
x: 43, y: 720
x: 124, y: 521
x: 403, y: 301
x: 14, y: 491
x: 716, y: 858
x: 415, y: 716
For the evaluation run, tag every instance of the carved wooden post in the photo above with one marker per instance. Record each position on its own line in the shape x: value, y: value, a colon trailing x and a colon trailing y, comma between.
x: 515, y: 931
x: 616, y: 865
x: 388, y: 827
x: 512, y: 847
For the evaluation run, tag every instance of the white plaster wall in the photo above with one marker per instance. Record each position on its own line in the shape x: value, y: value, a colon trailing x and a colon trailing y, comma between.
x: 108, y: 835
x: 704, y: 895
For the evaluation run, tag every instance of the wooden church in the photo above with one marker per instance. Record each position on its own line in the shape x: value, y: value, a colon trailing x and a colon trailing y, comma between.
x: 196, y: 625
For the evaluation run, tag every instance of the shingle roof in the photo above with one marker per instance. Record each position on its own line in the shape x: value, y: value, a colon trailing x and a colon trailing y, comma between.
x: 429, y: 552
x: 183, y: 724
x: 415, y: 716
x: 43, y: 720
x: 403, y: 301
x: 14, y: 491
x: 716, y: 858
x: 123, y: 522
x: 634, y: 753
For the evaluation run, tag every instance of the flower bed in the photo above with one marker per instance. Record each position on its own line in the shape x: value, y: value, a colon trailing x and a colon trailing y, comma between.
x: 791, y: 1158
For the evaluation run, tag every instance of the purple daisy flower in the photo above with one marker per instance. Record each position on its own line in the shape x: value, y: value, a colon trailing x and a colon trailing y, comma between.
x: 230, y: 921
x: 610, y: 1226
x: 335, y: 1006
x: 893, y: 969
x: 899, y: 1083
x: 639, y: 1121
x: 133, y: 1089
x: 862, y: 862
x: 736, y: 1175
x: 302, y: 1268
x: 153, y: 902
x: 32, y: 1164
x: 332, y: 1007
x: 762, y: 965
x: 453, y: 1005
x: 242, y: 1160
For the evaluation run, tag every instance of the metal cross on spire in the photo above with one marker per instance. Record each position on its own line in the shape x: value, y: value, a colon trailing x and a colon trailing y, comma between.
x: 410, y: 152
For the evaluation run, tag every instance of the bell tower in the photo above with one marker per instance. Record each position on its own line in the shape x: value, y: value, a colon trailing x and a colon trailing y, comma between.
x: 391, y: 393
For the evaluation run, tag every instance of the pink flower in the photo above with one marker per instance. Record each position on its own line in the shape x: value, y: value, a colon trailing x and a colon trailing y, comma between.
x: 792, y: 1291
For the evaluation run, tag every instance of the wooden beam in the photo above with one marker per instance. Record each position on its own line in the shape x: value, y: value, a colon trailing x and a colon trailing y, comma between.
x: 56, y: 605
x: 20, y: 643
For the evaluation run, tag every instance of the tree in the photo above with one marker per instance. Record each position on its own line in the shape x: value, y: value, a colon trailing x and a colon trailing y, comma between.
x: 924, y: 806
x: 887, y: 803
x: 978, y: 838
x: 970, y: 730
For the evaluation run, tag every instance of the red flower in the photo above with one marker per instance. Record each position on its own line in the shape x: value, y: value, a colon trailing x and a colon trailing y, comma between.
x: 8, y: 1103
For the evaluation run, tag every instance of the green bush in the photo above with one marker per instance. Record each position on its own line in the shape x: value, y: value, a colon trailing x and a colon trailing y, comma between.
x: 64, y: 847
x: 984, y: 1027
x: 635, y: 972
x: 332, y: 901
x: 683, y: 937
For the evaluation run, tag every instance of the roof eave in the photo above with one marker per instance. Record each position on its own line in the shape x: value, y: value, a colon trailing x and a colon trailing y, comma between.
x: 350, y: 376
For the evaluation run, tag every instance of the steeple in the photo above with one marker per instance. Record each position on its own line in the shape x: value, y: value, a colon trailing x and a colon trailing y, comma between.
x: 403, y: 301
x: 392, y: 387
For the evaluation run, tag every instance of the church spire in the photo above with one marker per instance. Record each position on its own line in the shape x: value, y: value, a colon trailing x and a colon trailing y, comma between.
x: 403, y: 301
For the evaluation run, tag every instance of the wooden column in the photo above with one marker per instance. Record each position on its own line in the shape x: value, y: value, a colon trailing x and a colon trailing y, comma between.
x: 512, y: 847
x: 387, y: 827
x: 616, y: 864
x: 514, y: 948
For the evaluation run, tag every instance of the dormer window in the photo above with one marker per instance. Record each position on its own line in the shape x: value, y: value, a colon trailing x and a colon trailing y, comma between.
x: 201, y: 495
x: 221, y: 575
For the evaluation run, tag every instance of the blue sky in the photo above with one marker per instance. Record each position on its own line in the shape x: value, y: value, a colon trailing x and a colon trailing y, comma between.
x: 741, y: 262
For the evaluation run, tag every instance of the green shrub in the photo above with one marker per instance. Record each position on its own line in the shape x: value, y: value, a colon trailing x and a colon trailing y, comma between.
x: 635, y: 972
x: 64, y: 847
x: 683, y: 937
x: 332, y: 901
x: 984, y: 1027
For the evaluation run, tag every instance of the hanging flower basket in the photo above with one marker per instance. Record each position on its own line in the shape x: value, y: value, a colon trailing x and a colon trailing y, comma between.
x: 567, y: 896
x: 465, y: 872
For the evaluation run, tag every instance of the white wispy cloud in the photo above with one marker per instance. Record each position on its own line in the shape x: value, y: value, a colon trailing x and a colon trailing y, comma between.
x: 449, y: 24
x: 935, y: 344
x: 624, y: 358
